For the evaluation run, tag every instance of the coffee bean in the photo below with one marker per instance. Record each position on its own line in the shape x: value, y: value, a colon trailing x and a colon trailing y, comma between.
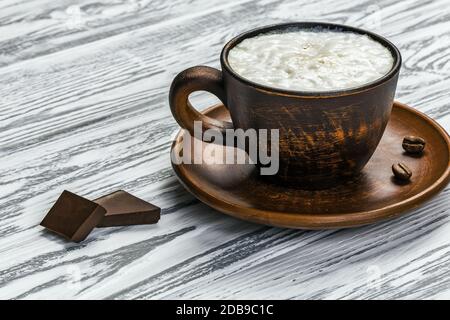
x: 401, y: 171
x: 413, y: 144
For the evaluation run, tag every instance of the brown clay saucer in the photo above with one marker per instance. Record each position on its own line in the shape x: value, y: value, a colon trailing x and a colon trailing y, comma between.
x: 238, y: 191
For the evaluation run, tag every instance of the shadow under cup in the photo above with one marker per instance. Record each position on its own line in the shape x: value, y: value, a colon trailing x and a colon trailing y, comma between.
x: 325, y: 137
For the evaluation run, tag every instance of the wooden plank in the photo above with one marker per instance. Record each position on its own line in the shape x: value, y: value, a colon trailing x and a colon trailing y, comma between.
x: 91, y: 116
x: 34, y: 28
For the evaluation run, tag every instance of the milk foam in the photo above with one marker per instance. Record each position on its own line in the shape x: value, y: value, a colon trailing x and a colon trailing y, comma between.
x: 311, y: 60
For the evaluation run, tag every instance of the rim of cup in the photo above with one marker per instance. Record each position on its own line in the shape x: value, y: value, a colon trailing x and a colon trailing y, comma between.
x: 311, y: 25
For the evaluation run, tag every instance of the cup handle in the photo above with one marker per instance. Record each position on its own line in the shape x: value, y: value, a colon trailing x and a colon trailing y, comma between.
x: 188, y: 81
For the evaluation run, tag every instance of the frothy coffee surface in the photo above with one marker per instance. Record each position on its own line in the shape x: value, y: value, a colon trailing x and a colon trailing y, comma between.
x: 310, y: 60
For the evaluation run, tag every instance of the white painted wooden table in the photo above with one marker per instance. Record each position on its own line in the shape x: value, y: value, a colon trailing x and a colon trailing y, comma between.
x: 83, y: 107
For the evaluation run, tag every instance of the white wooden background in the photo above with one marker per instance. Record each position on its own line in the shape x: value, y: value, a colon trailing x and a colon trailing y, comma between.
x: 83, y: 96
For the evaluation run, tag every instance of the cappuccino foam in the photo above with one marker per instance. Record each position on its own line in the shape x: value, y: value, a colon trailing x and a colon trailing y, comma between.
x: 311, y: 60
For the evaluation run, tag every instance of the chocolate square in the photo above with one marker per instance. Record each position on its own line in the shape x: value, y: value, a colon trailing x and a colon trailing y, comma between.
x: 124, y: 209
x: 73, y: 217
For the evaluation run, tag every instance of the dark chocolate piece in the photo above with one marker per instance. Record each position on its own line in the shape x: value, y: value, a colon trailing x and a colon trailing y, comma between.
x: 73, y: 217
x: 124, y: 209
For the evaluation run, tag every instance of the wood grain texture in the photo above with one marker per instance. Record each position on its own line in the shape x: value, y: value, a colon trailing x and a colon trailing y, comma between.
x: 84, y: 107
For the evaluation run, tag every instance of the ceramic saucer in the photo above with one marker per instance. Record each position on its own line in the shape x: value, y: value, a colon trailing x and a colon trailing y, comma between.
x: 238, y: 190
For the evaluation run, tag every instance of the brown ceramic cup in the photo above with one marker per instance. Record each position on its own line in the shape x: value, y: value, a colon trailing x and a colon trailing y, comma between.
x: 324, y: 137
